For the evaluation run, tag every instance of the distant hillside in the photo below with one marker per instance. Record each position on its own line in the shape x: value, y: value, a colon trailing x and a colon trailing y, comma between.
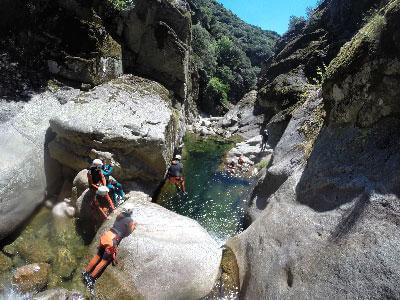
x: 228, y: 52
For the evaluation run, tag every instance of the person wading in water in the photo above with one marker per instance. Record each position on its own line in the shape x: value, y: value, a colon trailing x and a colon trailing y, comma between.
x: 175, y: 174
x: 108, y: 244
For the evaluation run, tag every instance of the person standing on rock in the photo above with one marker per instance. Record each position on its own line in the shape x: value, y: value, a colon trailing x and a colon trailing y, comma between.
x: 108, y: 244
x: 265, y: 137
x: 175, y: 174
x: 102, y: 203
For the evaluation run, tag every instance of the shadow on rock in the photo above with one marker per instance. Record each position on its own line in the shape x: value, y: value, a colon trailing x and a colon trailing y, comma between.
x: 348, y: 164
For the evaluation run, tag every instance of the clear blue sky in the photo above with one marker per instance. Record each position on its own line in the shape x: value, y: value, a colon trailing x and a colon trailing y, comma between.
x: 268, y: 14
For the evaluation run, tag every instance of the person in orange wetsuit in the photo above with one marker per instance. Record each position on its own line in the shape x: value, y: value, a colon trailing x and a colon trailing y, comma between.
x: 102, y: 203
x: 175, y: 174
x: 108, y: 244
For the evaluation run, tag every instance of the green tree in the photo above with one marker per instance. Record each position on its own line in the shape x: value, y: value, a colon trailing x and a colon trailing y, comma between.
x: 294, y: 21
x: 204, y: 50
x: 216, y: 96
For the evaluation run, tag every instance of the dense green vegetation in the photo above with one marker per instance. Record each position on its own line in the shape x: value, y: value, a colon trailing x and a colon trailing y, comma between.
x: 228, y: 53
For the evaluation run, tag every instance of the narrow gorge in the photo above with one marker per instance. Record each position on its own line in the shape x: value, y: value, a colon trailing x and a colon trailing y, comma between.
x: 290, y: 146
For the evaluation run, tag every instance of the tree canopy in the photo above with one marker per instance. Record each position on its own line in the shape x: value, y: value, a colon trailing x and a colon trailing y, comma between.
x: 228, y: 49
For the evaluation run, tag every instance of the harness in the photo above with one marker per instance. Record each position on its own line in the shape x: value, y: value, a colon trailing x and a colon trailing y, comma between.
x: 110, y: 244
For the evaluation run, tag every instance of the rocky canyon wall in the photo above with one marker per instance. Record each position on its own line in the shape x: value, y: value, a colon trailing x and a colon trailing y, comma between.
x: 326, y: 216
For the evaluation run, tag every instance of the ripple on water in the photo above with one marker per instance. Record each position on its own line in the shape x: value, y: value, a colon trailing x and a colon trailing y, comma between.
x: 214, y: 199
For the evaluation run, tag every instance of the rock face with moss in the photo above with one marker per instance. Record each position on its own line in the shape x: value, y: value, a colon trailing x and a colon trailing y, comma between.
x: 168, y: 256
x: 131, y: 118
x: 303, y: 52
x: 65, y: 37
x: 156, y: 38
x: 328, y: 212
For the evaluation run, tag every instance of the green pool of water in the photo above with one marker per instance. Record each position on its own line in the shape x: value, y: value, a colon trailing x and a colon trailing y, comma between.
x: 213, y: 198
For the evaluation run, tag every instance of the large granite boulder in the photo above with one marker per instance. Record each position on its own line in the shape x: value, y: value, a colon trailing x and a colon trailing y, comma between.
x: 167, y: 257
x: 130, y: 117
x: 329, y: 229
x: 27, y: 169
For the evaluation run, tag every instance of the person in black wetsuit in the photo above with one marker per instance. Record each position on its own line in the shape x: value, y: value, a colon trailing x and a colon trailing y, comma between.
x: 265, y: 137
x: 107, y: 249
x: 175, y: 174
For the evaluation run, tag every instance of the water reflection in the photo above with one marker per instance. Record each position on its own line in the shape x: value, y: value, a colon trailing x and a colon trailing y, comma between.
x: 214, y: 198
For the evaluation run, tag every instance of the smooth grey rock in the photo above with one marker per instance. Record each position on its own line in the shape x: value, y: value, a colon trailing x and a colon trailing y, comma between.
x: 291, y: 152
x: 27, y: 168
x: 243, y: 119
x: 167, y: 257
x: 79, y: 185
x: 59, y: 294
x: 130, y: 117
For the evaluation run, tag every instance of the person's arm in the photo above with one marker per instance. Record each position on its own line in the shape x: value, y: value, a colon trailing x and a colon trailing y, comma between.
x: 110, y: 202
x: 105, y: 217
x: 103, y: 179
x: 132, y: 226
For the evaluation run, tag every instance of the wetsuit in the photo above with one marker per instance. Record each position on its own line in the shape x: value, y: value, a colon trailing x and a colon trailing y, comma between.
x: 103, y: 204
x: 109, y: 241
x: 175, y: 175
x: 107, y: 171
x: 116, y: 192
x: 95, y: 178
x: 175, y: 170
x: 264, y: 139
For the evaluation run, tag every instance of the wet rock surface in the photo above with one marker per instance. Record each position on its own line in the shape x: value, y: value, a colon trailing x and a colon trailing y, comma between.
x: 5, y: 262
x: 58, y: 294
x: 112, y: 117
x: 32, y: 277
x: 167, y: 257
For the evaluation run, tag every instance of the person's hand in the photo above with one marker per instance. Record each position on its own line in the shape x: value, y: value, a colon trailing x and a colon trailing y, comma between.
x: 108, y: 218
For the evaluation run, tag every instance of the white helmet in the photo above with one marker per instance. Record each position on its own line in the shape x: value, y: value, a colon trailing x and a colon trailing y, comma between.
x: 97, y: 163
x: 128, y: 209
x: 178, y: 157
x: 102, y: 190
